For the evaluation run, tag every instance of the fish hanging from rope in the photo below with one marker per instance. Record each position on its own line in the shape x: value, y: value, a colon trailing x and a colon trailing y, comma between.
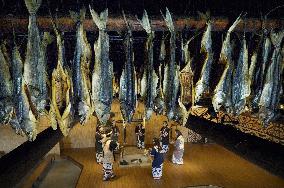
x: 6, y: 86
x: 127, y: 91
x: 171, y: 74
x: 241, y: 83
x: 83, y: 104
x: 35, y: 62
x: 272, y: 89
x: 149, y: 80
x: 159, y: 104
x: 102, y: 91
x: 258, y: 70
x: 24, y: 119
x: 223, y: 91
x: 61, y: 106
x: 202, y: 86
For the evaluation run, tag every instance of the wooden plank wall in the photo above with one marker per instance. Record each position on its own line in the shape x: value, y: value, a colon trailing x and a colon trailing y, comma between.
x: 9, y: 140
x: 84, y: 136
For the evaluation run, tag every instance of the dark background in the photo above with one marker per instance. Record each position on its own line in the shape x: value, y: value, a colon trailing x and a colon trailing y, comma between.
x: 179, y: 8
x: 223, y: 8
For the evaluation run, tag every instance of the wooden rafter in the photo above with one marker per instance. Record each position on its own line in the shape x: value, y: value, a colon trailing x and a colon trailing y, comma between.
x: 66, y: 24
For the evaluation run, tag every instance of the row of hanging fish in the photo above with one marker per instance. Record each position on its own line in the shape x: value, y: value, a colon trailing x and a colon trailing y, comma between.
x: 70, y: 96
x: 75, y: 93
x: 255, y: 87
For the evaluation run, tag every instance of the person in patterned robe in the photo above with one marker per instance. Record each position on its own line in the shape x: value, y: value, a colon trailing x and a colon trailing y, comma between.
x: 99, y: 146
x: 177, y: 157
x: 108, y: 159
x: 157, y: 164
x: 140, y: 135
x: 115, y: 131
x: 165, y: 136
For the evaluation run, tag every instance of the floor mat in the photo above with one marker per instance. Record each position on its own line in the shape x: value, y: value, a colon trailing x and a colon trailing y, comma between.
x: 62, y: 173
x: 132, y: 156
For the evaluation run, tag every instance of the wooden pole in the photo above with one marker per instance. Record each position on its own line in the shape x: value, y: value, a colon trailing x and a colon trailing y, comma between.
x: 66, y: 24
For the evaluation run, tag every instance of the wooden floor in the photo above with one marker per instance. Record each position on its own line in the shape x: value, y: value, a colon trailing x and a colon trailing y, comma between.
x: 204, y: 165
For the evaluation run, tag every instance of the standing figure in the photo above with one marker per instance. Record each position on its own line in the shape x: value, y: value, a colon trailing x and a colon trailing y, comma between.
x: 110, y: 120
x: 157, y: 164
x: 140, y: 135
x: 177, y: 157
x: 165, y: 136
x: 99, y: 144
x: 115, y: 131
x: 109, y: 147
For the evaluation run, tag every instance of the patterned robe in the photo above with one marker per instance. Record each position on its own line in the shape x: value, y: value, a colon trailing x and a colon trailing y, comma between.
x: 177, y: 157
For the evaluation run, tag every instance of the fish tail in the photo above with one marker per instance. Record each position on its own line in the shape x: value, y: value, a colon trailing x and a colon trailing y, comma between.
x: 78, y: 17
x: 238, y: 20
x: 145, y: 22
x: 33, y: 5
x: 99, y: 20
x: 169, y: 21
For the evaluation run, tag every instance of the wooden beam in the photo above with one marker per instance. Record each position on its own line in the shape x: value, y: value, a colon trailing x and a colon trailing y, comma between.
x: 15, y: 165
x: 66, y: 24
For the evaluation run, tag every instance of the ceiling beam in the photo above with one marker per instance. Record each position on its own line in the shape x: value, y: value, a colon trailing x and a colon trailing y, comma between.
x: 66, y: 24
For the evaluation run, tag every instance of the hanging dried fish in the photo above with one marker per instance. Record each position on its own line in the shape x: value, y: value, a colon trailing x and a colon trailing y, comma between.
x: 202, y: 86
x: 260, y: 72
x: 83, y: 104
x: 149, y: 80
x: 24, y: 119
x: 272, y: 90
x: 61, y: 88
x: 171, y: 76
x: 42, y: 99
x: 6, y: 86
x: 102, y: 92
x: 223, y: 90
x: 127, y: 91
x: 241, y: 84
x: 33, y: 62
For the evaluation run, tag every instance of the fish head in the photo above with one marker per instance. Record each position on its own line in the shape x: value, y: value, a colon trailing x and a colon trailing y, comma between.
x: 30, y: 129
x: 159, y: 105
x: 198, y: 91
x: 217, y: 102
x: 170, y: 114
x: 41, y: 105
x: 102, y: 112
x: 17, y: 126
x: 148, y: 113
x: 6, y: 112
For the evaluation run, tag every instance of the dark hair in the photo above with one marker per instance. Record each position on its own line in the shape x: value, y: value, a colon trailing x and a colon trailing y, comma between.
x: 178, y: 133
x: 112, y: 145
x: 156, y: 142
x: 98, y: 128
x: 108, y: 132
